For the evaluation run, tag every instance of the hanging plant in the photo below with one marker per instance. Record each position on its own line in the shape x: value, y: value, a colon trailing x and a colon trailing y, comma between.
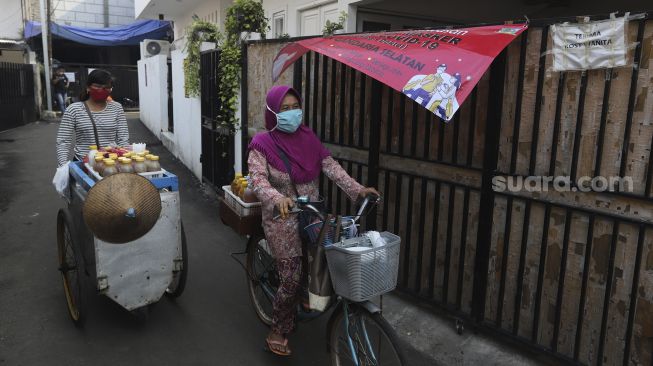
x: 242, y: 16
x: 197, y: 32
x: 246, y: 16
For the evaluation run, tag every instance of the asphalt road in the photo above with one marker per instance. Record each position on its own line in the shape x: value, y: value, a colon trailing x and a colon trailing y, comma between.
x: 212, y: 323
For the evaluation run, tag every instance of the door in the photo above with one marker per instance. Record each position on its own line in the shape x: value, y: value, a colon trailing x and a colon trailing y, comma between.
x: 313, y: 20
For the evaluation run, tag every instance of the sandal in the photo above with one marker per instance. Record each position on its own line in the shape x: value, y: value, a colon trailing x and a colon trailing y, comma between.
x: 269, y: 347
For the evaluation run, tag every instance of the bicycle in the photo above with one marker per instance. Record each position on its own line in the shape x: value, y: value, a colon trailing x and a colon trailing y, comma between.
x: 357, y: 332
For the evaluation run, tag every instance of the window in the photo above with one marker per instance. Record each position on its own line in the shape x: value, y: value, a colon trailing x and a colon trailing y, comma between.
x: 278, y: 23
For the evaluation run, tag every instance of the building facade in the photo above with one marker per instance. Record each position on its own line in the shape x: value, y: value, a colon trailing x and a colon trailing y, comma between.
x: 85, y: 13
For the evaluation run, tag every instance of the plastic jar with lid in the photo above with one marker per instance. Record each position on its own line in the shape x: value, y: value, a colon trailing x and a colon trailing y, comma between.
x: 125, y: 166
x: 99, y: 164
x: 92, y: 150
x: 153, y: 164
x: 139, y: 164
x: 109, y: 168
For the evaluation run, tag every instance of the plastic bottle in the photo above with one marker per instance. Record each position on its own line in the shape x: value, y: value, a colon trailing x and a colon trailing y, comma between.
x: 154, y: 164
x: 243, y: 188
x: 248, y: 194
x: 234, y: 182
x: 139, y: 164
x: 92, y: 150
x: 109, y: 168
x: 125, y: 166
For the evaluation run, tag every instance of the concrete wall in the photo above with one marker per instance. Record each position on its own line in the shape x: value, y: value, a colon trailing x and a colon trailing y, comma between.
x: 88, y: 13
x: 11, y: 24
x: 153, y: 93
x: 185, y: 142
x: 210, y: 11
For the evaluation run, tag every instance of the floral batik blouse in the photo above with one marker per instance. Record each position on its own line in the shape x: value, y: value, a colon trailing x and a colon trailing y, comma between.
x: 270, y: 185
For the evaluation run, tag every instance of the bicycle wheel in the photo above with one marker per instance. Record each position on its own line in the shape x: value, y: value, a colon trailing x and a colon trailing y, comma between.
x: 71, y: 268
x: 262, y: 277
x: 373, y: 341
x: 178, y: 283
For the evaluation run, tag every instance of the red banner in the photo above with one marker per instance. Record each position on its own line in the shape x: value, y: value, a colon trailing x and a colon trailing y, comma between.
x: 436, y: 68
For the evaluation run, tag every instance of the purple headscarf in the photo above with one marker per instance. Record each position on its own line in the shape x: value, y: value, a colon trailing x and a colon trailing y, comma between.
x: 304, y: 150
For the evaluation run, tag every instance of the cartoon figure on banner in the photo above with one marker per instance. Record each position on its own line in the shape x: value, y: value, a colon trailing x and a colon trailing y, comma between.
x: 443, y: 102
x: 436, y: 92
x: 280, y: 62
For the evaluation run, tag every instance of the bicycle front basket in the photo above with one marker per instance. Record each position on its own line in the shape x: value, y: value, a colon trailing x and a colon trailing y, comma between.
x: 359, y: 271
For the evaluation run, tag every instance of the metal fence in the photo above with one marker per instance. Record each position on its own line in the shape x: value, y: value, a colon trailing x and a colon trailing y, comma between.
x: 125, y: 83
x: 566, y: 273
x: 17, y: 101
x: 217, y: 143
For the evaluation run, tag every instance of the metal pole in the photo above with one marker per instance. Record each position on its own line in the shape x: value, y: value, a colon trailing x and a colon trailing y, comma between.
x: 45, y: 29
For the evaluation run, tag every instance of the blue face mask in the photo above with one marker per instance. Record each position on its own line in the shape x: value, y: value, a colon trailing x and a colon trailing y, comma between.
x: 288, y: 121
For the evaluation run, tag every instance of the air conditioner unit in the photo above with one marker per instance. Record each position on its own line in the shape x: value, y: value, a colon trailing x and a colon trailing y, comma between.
x: 154, y: 47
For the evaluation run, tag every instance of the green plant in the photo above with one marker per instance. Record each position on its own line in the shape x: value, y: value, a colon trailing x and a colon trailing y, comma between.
x: 331, y: 27
x: 242, y: 16
x: 229, y: 84
x: 246, y: 16
x: 197, y: 32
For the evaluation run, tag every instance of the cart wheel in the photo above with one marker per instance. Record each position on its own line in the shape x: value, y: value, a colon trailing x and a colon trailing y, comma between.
x: 71, y: 267
x: 178, y: 284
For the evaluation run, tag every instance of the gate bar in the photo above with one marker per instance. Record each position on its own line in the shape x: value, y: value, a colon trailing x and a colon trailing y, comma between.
x: 486, y: 210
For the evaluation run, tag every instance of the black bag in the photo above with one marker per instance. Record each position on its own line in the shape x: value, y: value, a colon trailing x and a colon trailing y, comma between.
x: 319, y: 278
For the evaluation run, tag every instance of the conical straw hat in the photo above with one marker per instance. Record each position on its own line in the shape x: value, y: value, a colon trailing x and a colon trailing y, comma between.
x: 122, y: 208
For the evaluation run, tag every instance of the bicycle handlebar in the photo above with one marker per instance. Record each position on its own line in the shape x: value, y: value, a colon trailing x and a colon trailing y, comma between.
x: 303, y: 204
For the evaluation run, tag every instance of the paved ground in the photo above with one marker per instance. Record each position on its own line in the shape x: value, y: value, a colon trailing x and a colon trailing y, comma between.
x: 211, y: 324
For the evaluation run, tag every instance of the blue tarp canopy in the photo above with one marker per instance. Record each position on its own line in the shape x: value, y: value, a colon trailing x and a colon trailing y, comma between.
x: 123, y: 35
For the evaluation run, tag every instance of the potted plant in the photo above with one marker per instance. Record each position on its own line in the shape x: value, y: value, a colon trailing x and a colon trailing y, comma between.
x: 331, y: 28
x: 198, y: 34
x: 247, y: 19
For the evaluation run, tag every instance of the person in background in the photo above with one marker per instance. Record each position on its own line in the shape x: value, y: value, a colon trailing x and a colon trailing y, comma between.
x: 76, y: 123
x: 60, y: 85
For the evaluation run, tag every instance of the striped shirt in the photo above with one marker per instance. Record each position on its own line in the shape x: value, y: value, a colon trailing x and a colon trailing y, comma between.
x: 111, y: 128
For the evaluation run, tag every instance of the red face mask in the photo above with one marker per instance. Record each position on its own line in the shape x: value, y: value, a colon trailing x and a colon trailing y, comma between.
x: 99, y: 95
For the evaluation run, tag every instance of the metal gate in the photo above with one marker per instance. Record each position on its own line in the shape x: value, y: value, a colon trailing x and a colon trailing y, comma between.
x: 566, y: 273
x: 217, y: 143
x: 125, y: 82
x: 17, y: 102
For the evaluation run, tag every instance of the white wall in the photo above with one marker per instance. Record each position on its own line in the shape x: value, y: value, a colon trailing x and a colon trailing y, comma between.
x: 11, y: 20
x: 323, y: 10
x: 91, y: 13
x: 153, y: 93
x: 210, y: 11
x: 186, y: 139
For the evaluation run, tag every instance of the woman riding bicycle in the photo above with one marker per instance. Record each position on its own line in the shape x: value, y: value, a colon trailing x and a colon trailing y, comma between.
x: 285, y: 162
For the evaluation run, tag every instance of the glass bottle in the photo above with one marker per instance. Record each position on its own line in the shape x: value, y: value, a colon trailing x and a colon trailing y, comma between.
x: 125, y: 166
x: 154, y: 165
x: 139, y: 165
x: 109, y: 168
x: 99, y: 164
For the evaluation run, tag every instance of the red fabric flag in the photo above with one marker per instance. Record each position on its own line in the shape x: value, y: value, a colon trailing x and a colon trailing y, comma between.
x: 436, y: 68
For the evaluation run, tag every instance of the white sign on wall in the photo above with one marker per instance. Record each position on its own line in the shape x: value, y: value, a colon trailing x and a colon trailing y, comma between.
x: 591, y: 45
